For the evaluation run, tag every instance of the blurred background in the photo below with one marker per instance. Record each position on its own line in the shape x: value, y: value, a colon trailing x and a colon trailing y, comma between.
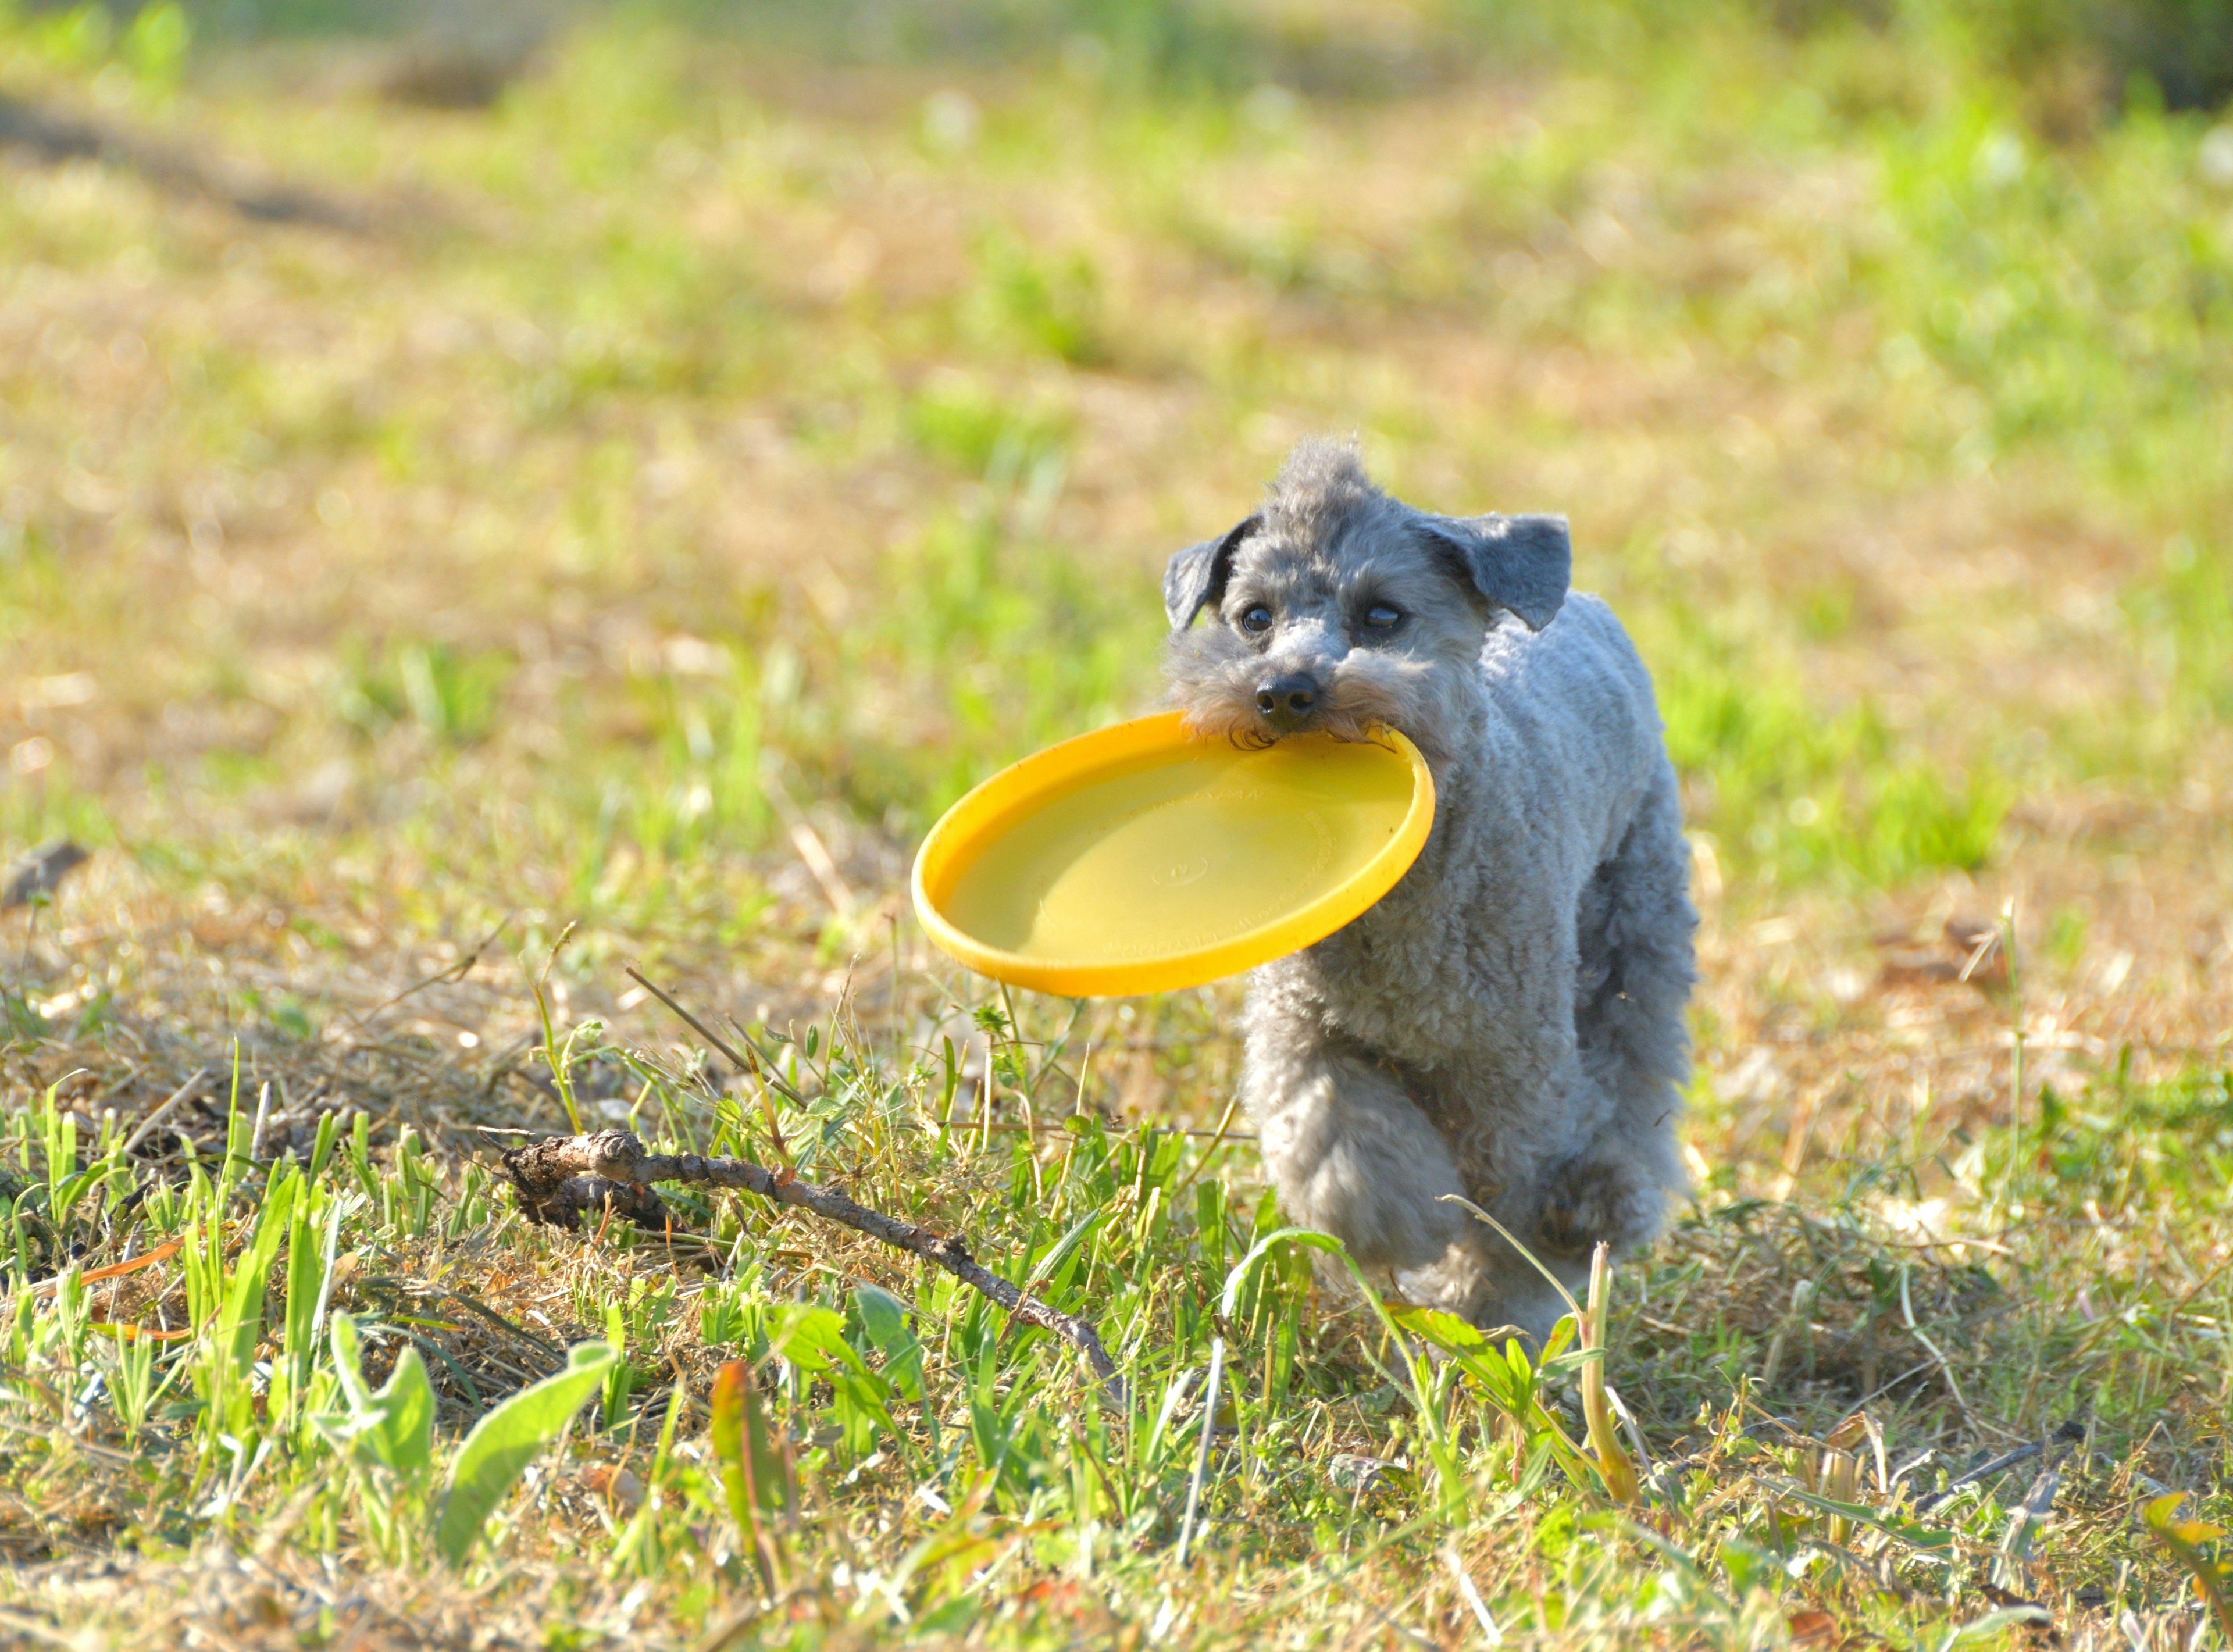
x: 632, y: 465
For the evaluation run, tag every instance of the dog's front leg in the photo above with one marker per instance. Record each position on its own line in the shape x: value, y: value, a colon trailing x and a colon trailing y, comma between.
x: 1349, y: 1152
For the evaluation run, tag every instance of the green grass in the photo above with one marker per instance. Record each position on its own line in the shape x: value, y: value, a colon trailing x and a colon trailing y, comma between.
x: 752, y: 430
x: 951, y: 1473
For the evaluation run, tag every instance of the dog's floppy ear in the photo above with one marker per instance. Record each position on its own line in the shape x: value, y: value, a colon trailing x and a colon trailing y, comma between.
x: 1194, y: 577
x: 1518, y: 562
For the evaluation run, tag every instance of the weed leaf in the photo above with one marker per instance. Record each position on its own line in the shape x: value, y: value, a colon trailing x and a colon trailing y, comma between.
x: 504, y: 1442
x: 884, y: 1317
x: 393, y: 1427
x: 757, y: 1480
x: 2184, y: 1539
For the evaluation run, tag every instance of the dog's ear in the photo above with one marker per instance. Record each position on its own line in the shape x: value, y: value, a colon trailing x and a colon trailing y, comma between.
x: 1195, y: 578
x: 1522, y: 563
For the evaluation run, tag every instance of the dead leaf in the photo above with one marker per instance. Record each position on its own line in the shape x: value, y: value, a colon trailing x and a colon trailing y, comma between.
x: 618, y: 1487
x: 1813, y: 1627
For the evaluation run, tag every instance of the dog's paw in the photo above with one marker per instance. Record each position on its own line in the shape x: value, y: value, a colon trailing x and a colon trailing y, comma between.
x: 1591, y: 1202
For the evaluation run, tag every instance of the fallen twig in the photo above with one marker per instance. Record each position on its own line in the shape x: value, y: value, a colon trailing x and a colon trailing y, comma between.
x: 562, y: 1178
x: 41, y: 871
x: 178, y: 1096
x: 57, y: 138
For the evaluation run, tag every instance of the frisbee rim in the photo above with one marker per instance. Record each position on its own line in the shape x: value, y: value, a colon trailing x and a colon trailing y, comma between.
x: 996, y: 801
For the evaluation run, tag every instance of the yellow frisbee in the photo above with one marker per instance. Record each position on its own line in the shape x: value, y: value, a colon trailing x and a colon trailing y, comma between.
x: 1142, y: 859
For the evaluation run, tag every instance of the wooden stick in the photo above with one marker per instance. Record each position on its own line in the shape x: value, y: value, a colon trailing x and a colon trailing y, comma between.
x: 562, y: 1177
x: 147, y: 1125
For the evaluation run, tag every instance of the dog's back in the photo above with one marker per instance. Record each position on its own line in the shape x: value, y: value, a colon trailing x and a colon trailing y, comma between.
x: 1571, y: 717
x: 1633, y: 924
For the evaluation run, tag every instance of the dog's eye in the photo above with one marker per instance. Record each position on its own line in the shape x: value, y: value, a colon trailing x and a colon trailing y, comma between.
x: 1381, y: 617
x: 1257, y: 621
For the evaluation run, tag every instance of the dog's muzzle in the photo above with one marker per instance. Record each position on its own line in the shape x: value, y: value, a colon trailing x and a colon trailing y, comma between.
x: 1287, y: 703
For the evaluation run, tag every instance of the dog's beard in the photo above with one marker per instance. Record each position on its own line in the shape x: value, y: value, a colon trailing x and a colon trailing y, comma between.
x: 1369, y: 691
x: 1213, y: 678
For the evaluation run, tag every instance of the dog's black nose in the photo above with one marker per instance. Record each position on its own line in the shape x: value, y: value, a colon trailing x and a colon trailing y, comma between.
x: 1286, y: 703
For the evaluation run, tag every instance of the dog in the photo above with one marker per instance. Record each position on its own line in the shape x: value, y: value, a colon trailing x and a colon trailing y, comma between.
x: 1506, y: 1023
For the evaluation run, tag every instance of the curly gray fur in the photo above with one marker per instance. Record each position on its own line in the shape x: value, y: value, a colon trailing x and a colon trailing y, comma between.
x: 1507, y: 1022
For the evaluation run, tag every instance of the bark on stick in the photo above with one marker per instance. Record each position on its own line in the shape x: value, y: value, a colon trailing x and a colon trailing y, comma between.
x: 562, y: 1177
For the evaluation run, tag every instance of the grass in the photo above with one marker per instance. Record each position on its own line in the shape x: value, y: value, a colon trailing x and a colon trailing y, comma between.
x: 701, y: 465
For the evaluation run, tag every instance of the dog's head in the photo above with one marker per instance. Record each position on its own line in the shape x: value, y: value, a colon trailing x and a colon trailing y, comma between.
x: 1336, y: 608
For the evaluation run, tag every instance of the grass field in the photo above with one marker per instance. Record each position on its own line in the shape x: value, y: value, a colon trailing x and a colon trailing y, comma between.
x: 465, y: 530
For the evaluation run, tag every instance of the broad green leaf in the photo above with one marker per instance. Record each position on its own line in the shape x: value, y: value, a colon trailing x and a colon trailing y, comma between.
x: 884, y: 1317
x: 813, y: 1339
x: 863, y: 1399
x: 1513, y: 1385
x: 404, y: 1439
x: 1506, y: 1377
x: 504, y: 1442
x: 393, y: 1427
x: 1446, y: 1330
x: 348, y: 1364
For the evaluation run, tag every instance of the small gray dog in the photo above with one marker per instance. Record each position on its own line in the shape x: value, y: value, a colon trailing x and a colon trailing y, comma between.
x: 1506, y: 1023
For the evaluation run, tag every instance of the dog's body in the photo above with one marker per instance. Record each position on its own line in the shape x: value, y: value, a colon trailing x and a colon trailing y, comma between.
x: 1506, y: 1023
